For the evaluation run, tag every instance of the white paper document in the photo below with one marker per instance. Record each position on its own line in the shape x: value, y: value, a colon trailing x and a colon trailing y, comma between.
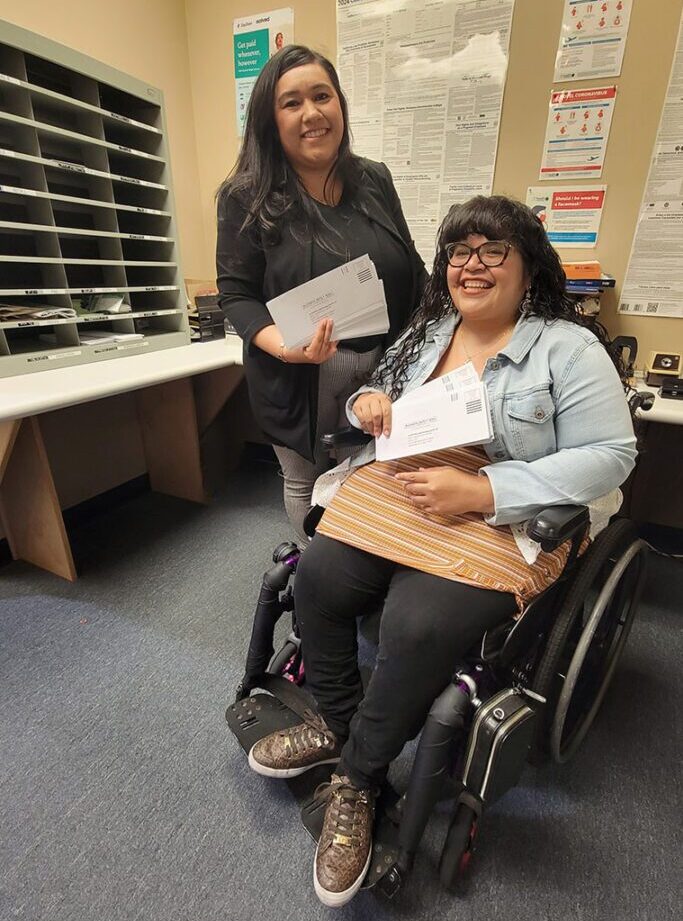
x: 447, y: 412
x: 577, y: 132
x: 351, y: 295
x: 424, y: 81
x: 592, y: 40
x: 653, y: 286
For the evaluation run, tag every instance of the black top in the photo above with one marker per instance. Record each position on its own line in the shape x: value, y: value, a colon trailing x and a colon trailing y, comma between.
x: 352, y: 234
x: 252, y: 270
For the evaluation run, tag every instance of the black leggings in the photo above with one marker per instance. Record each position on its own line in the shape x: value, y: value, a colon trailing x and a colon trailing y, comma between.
x: 428, y: 624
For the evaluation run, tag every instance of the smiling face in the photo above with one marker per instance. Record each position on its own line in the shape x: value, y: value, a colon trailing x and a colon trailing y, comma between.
x: 309, y: 118
x: 488, y: 294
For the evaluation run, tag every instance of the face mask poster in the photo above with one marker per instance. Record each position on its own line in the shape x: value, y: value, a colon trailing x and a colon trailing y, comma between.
x: 255, y: 39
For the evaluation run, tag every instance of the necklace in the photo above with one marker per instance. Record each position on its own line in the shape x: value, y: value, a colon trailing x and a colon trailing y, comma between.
x: 486, y: 348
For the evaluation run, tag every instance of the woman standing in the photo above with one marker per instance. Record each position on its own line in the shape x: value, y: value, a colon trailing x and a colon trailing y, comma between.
x: 298, y: 204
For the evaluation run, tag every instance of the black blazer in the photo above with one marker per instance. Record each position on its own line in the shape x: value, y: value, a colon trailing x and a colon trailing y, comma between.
x: 249, y: 272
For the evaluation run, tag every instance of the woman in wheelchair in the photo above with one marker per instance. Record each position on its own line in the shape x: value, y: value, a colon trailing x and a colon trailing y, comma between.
x: 430, y: 534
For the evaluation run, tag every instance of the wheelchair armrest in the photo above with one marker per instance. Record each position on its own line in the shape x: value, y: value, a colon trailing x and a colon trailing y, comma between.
x: 345, y: 438
x: 553, y: 526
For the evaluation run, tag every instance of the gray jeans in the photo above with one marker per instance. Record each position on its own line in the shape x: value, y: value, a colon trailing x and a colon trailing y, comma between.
x: 339, y: 378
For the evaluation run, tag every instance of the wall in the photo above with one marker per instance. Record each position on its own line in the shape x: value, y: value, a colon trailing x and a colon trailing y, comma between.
x: 535, y: 32
x: 641, y: 89
x: 185, y: 49
x: 147, y: 40
x: 209, y: 37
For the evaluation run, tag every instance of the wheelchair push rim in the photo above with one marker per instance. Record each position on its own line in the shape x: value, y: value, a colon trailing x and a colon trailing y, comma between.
x: 597, y: 652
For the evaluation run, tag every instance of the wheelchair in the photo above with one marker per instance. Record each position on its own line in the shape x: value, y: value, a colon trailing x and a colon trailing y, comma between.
x: 529, y: 692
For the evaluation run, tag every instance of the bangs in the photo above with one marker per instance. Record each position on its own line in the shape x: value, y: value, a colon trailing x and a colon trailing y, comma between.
x: 491, y: 217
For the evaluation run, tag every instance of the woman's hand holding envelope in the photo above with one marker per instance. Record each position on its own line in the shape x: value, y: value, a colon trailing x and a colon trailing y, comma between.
x: 373, y: 411
x: 319, y: 350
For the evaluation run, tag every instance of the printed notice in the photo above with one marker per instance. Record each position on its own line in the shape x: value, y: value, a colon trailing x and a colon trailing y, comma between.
x: 592, y: 39
x: 425, y: 80
x: 255, y: 39
x: 571, y: 217
x: 653, y: 286
x: 577, y: 132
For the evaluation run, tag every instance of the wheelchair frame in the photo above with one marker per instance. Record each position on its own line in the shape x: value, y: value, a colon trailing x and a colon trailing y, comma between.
x: 530, y: 692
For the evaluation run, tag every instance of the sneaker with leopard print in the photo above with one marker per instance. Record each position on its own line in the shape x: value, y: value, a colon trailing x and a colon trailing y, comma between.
x: 290, y: 752
x: 344, y: 850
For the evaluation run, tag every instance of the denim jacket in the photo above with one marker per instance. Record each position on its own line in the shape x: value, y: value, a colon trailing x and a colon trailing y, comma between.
x: 562, y: 429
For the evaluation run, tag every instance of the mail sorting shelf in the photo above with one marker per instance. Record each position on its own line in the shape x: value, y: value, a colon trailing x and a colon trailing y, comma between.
x: 86, y: 207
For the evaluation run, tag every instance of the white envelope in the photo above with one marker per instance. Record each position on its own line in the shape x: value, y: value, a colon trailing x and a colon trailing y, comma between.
x: 436, y: 417
x: 351, y: 295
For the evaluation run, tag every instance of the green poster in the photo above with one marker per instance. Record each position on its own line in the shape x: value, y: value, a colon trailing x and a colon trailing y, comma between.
x: 250, y: 53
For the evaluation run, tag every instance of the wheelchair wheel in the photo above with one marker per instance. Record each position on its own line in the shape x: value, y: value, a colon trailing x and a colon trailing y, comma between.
x: 287, y: 662
x: 457, y: 850
x: 587, y: 639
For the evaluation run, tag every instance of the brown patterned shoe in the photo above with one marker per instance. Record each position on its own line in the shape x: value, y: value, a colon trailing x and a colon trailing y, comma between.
x: 290, y: 752
x: 345, y: 847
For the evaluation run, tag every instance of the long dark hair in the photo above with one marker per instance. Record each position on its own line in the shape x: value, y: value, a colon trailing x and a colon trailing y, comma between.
x: 497, y: 218
x: 273, y: 189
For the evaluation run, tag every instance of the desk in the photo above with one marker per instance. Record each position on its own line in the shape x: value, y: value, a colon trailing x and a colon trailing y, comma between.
x: 29, y: 506
x: 656, y: 488
x: 668, y: 411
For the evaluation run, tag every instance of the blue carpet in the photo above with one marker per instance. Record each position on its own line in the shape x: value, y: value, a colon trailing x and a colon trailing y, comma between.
x: 125, y: 797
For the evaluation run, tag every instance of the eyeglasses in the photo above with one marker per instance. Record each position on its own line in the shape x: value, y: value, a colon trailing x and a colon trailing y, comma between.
x: 490, y: 254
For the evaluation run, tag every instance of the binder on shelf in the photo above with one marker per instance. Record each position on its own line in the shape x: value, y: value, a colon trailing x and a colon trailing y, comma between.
x: 591, y: 284
x: 582, y: 270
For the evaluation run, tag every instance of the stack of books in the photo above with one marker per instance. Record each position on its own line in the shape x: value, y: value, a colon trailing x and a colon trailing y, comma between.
x: 586, y: 278
x: 585, y: 282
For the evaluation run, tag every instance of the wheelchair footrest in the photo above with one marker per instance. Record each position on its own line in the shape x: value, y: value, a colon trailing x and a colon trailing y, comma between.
x: 257, y: 716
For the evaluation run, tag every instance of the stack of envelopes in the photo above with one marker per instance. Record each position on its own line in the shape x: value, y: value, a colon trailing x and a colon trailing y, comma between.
x: 351, y: 295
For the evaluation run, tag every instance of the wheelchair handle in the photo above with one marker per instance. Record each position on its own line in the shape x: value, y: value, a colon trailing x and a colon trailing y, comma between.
x: 349, y: 437
x: 642, y: 400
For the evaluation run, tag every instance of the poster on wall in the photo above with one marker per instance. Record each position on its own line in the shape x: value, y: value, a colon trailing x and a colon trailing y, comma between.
x: 577, y: 132
x: 653, y: 286
x: 592, y: 39
x: 571, y: 217
x: 424, y: 80
x: 254, y: 39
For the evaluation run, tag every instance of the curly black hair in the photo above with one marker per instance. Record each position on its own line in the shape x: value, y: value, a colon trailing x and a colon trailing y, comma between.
x: 496, y: 217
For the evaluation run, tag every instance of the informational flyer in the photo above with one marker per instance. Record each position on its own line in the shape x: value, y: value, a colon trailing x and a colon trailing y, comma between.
x: 577, y: 132
x: 592, y: 39
x: 255, y: 39
x: 571, y: 217
x: 653, y: 286
x: 424, y: 80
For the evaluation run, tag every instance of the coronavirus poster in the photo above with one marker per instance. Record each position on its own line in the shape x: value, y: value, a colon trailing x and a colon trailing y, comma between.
x: 571, y: 216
